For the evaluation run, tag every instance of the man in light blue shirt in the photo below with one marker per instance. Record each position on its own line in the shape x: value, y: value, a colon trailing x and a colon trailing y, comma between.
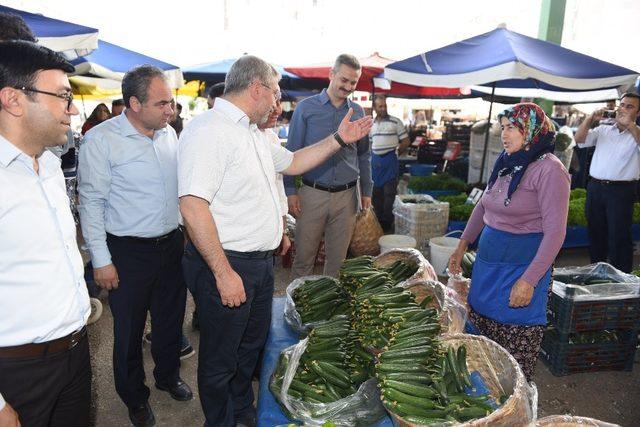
x: 129, y: 215
x: 327, y: 203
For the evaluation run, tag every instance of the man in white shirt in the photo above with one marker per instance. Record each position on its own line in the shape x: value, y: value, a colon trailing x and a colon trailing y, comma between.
x: 45, y: 370
x: 611, y: 192
x: 388, y: 139
x: 230, y: 206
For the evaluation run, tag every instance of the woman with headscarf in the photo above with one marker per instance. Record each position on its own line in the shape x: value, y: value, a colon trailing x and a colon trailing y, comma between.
x: 99, y: 115
x: 521, y: 220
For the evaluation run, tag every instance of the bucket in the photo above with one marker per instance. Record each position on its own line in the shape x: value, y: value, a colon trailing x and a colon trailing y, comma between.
x: 393, y: 241
x: 441, y: 250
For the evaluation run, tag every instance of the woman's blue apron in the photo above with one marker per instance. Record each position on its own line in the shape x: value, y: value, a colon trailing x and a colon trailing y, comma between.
x: 384, y: 168
x: 501, y: 260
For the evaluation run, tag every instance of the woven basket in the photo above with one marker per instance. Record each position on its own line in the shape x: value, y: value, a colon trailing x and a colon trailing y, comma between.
x: 366, y: 234
x: 425, y: 270
x: 452, y: 314
x: 502, y: 375
x: 571, y: 421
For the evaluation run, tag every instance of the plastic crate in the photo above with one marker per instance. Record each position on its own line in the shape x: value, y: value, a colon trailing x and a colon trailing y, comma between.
x: 569, y: 315
x: 422, y: 221
x: 564, y: 358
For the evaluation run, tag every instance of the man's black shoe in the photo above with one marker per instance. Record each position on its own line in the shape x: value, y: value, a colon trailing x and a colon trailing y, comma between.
x: 195, y: 324
x: 247, y: 419
x: 142, y: 415
x: 179, y: 390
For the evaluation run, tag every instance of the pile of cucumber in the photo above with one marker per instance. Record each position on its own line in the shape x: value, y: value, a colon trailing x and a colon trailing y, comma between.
x: 419, y: 380
x: 320, y: 299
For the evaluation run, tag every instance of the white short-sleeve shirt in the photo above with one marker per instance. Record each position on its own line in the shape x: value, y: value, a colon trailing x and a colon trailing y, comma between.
x: 228, y: 162
x: 617, y: 156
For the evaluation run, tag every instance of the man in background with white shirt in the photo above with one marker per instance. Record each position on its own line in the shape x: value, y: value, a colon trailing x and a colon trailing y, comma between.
x: 45, y: 370
x: 388, y: 139
x: 611, y: 192
x: 230, y: 206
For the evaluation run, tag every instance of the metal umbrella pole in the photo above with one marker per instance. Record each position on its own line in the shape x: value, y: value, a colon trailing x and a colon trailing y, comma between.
x: 486, y: 134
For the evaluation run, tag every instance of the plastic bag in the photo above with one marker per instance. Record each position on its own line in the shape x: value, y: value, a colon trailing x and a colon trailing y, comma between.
x: 571, y: 421
x: 572, y: 283
x: 366, y: 234
x: 460, y: 285
x: 453, y: 315
x: 291, y: 315
x: 362, y: 408
x: 425, y: 269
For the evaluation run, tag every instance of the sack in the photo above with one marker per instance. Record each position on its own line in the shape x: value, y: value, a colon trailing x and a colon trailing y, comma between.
x: 366, y: 234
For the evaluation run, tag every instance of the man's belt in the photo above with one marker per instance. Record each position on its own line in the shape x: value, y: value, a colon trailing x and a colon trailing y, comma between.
x: 330, y: 189
x: 44, y: 348
x: 152, y: 240
x: 610, y: 182
x: 249, y: 255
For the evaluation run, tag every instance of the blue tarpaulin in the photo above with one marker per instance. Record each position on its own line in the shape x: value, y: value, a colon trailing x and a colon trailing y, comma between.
x: 71, y: 39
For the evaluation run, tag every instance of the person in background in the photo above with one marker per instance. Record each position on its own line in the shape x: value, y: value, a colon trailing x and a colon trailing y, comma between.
x: 128, y: 188
x: 176, y: 120
x: 389, y: 138
x: 614, y: 173
x: 45, y: 367
x: 213, y: 92
x: 522, y: 221
x: 327, y: 203
x: 98, y: 115
x: 117, y: 106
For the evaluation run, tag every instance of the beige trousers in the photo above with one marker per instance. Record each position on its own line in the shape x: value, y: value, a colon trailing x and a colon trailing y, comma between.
x: 330, y: 214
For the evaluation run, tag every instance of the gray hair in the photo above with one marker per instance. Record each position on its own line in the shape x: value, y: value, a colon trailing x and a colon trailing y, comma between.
x: 247, y: 70
x: 348, y: 60
x: 136, y: 82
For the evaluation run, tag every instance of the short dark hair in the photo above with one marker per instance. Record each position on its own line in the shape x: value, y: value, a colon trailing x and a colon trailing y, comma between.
x: 216, y: 90
x: 117, y: 103
x: 21, y: 61
x: 630, y: 95
x: 136, y: 83
x: 348, y: 60
x: 13, y: 27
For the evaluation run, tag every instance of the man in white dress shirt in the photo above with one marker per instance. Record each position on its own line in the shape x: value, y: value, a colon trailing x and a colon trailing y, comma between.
x: 45, y: 371
x: 230, y: 206
x: 614, y: 173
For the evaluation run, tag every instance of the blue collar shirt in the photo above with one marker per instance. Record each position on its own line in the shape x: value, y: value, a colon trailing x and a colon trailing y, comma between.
x: 127, y: 183
x: 314, y: 119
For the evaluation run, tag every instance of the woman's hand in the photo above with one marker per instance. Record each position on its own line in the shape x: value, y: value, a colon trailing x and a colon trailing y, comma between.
x: 521, y: 294
x: 456, y: 258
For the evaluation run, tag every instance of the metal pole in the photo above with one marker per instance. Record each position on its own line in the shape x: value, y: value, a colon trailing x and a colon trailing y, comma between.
x: 486, y: 134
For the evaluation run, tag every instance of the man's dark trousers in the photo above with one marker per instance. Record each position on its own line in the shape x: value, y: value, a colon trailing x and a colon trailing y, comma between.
x: 150, y: 274
x: 230, y: 338
x: 609, y: 211
x: 382, y: 200
x: 53, y: 390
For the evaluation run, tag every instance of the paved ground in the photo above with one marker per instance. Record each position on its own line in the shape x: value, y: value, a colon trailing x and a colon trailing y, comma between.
x: 609, y: 396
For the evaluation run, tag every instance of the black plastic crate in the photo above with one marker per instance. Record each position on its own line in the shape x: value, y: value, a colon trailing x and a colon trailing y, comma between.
x: 568, y: 315
x: 565, y: 358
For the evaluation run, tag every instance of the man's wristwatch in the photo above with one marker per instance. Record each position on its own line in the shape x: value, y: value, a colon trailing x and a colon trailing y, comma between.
x: 340, y: 140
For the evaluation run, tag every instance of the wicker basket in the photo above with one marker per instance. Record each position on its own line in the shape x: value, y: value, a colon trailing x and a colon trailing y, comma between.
x: 425, y: 270
x: 571, y: 421
x: 452, y: 314
x: 502, y: 375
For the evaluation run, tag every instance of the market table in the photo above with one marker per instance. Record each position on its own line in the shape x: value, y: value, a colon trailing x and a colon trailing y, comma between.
x: 280, y: 337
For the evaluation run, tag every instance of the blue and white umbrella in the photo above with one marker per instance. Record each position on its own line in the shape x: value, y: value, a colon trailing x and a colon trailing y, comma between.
x: 509, y: 60
x: 72, y: 40
x: 110, y: 61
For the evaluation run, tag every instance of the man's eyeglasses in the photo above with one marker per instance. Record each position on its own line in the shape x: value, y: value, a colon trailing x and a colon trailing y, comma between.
x: 276, y: 92
x: 66, y: 96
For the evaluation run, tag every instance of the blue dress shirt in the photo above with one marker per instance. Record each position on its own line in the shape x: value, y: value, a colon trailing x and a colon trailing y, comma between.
x: 127, y: 183
x: 314, y: 119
